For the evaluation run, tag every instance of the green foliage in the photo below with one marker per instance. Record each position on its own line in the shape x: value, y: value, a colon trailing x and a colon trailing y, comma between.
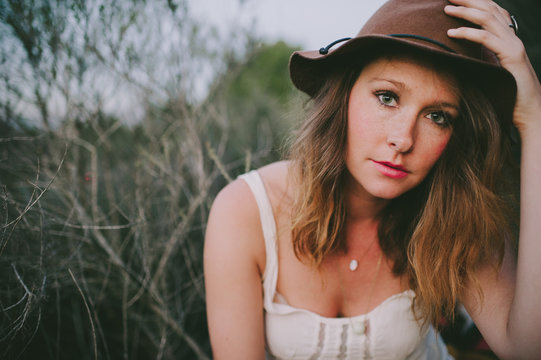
x: 263, y: 73
x: 259, y: 101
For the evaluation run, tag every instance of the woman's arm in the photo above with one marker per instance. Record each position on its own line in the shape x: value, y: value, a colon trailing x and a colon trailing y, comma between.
x: 510, y: 317
x: 234, y: 257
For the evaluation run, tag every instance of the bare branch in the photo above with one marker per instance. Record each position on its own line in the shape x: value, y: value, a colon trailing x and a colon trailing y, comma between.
x: 94, y: 341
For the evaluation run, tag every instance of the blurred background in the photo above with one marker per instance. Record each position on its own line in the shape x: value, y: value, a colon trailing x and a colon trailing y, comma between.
x: 120, y: 120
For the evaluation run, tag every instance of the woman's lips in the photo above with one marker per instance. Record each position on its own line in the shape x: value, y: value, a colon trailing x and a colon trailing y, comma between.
x: 391, y: 170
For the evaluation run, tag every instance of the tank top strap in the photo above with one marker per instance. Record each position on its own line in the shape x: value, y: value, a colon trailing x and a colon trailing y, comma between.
x: 268, y: 225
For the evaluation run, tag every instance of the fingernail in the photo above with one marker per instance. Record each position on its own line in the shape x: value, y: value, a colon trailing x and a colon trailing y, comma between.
x: 449, y: 8
x: 451, y: 32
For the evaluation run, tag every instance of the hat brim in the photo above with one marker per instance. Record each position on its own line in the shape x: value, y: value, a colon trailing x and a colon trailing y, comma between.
x: 310, y: 69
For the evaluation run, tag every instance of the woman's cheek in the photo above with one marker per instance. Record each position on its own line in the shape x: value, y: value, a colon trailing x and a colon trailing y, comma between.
x: 440, y: 148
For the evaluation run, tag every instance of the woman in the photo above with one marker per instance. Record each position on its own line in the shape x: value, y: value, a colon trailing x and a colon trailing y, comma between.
x: 393, y: 206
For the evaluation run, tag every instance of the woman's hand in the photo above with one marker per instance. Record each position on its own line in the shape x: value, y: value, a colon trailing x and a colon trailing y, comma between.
x: 497, y: 35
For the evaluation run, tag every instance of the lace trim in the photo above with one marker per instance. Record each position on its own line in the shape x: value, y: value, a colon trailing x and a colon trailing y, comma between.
x: 343, y: 345
x: 320, y: 343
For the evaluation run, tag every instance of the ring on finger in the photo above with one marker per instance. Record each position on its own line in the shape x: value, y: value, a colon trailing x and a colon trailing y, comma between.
x: 514, y: 24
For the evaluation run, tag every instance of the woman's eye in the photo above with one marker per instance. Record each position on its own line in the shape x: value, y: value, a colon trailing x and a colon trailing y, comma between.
x: 387, y: 98
x: 439, y: 117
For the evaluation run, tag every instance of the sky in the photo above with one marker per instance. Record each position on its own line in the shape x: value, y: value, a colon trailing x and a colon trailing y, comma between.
x: 309, y: 24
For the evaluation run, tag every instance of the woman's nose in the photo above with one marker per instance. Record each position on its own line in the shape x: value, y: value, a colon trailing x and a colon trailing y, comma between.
x: 400, y: 135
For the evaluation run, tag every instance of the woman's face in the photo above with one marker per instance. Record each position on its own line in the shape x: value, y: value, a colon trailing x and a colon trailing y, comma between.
x: 399, y: 117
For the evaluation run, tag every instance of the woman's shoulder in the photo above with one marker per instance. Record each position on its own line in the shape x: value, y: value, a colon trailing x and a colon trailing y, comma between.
x: 279, y: 180
x: 233, y: 230
x: 276, y: 169
x: 234, y: 224
x: 234, y: 208
x: 239, y: 198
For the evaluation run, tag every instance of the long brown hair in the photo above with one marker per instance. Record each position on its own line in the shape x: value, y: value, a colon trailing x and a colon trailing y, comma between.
x: 438, y: 233
x: 318, y: 227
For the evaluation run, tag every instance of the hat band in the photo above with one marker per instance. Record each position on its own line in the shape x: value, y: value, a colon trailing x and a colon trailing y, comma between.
x: 325, y: 50
x: 418, y: 37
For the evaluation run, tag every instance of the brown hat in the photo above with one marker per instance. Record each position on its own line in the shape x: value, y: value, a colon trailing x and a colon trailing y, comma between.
x: 413, y: 25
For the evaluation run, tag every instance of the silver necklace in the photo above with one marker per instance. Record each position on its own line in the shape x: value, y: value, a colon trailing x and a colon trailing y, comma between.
x: 354, y: 263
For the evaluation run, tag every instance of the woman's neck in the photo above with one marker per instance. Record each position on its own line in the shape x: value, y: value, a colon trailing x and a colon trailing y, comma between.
x: 362, y: 206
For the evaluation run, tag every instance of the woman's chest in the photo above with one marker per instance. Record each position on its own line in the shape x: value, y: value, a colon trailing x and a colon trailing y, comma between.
x: 334, y: 290
x: 389, y: 331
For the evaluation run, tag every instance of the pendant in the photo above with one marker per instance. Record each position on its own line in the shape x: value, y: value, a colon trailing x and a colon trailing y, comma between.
x: 353, y: 265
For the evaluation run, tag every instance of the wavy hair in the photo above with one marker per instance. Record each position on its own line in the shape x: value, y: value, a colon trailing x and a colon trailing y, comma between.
x: 437, y: 234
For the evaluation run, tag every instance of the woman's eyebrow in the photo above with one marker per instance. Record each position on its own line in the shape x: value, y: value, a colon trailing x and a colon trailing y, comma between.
x: 396, y: 83
x: 447, y: 104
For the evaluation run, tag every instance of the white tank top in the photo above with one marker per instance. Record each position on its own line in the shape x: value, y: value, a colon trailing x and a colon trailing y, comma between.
x: 389, y: 331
